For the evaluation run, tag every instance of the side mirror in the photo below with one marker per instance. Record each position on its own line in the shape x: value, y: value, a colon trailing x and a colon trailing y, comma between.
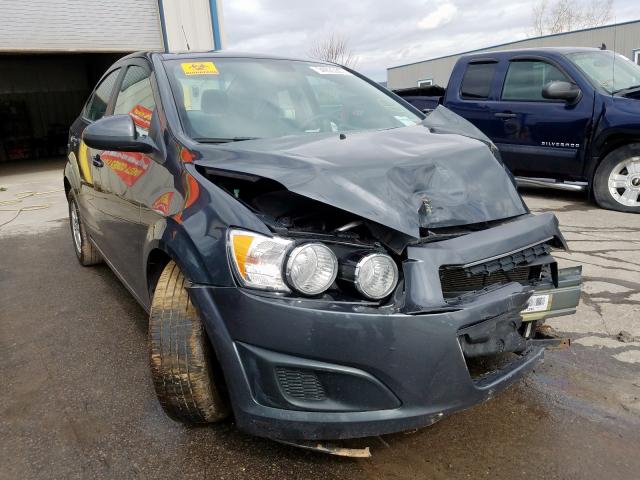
x: 117, y: 133
x: 559, y: 90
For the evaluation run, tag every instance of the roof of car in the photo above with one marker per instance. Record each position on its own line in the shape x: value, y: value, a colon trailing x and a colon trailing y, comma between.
x: 216, y: 54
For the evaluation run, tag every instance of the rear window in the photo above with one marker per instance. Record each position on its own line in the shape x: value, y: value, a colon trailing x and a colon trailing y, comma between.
x: 477, y: 79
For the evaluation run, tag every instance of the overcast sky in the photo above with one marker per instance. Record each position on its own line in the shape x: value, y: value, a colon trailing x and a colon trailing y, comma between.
x: 383, y: 33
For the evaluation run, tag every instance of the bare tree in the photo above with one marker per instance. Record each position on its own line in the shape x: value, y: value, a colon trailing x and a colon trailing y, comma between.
x: 334, y: 48
x: 557, y: 16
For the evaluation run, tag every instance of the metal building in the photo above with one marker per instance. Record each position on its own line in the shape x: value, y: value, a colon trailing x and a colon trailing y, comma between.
x: 624, y: 38
x: 53, y: 52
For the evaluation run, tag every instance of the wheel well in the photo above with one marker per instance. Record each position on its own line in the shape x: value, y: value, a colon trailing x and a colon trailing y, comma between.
x: 67, y: 187
x: 157, y: 260
x: 612, y: 143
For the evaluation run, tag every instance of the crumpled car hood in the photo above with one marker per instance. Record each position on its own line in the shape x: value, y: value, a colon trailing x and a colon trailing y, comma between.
x: 404, y: 178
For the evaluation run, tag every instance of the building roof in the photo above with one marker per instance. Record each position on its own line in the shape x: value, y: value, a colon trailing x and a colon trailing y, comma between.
x: 480, y: 50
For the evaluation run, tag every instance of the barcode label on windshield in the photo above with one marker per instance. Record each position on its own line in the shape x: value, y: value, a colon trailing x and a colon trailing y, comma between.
x: 537, y: 303
x: 330, y: 70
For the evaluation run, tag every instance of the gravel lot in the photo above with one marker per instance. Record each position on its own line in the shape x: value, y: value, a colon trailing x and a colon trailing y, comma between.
x: 77, y: 401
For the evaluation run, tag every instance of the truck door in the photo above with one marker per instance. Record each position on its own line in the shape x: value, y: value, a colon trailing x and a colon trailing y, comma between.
x: 536, y: 136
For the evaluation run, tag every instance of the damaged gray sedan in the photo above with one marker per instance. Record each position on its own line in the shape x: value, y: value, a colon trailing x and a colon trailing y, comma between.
x: 318, y: 258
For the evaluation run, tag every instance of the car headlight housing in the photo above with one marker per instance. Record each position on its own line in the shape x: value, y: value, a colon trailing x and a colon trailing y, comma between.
x: 259, y: 260
x: 375, y: 275
x: 311, y: 268
x: 278, y: 264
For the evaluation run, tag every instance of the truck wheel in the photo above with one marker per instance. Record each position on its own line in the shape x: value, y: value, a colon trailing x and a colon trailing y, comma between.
x: 616, y: 183
x: 86, y: 252
x: 180, y: 354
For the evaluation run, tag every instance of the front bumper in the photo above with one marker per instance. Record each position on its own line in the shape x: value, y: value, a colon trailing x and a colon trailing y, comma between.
x: 312, y: 369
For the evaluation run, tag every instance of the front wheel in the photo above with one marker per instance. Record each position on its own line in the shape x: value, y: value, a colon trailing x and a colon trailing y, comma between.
x: 181, y: 358
x: 86, y: 252
x: 617, y: 180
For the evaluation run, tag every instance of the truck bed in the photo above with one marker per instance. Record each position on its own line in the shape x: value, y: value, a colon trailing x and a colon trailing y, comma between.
x: 423, y: 98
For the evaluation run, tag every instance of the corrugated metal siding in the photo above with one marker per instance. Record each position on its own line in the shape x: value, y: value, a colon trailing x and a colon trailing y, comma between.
x: 625, y: 38
x: 79, y: 25
x: 195, y: 17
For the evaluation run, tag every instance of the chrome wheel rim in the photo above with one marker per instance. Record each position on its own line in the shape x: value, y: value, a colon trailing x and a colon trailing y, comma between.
x: 75, y: 228
x: 624, y: 182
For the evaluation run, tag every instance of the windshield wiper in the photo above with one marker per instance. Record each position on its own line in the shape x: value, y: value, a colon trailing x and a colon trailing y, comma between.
x: 626, y: 90
x: 224, y: 140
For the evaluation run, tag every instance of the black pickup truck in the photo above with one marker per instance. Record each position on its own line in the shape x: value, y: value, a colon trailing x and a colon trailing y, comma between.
x: 567, y: 118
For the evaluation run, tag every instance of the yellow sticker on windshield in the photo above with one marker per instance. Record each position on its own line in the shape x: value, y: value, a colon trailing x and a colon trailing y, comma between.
x: 199, y: 68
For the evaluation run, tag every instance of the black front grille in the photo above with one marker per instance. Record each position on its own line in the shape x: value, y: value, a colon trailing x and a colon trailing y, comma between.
x: 457, y: 280
x: 515, y: 267
x: 300, y: 384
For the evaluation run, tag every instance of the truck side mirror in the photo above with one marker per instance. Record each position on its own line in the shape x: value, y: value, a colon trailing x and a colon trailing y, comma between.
x: 560, y: 90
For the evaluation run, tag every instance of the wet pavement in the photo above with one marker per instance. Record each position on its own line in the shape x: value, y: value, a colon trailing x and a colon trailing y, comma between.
x: 77, y: 400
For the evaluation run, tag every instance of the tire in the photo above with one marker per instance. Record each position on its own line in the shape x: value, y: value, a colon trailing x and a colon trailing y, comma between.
x: 86, y: 252
x: 181, y: 358
x: 616, y: 184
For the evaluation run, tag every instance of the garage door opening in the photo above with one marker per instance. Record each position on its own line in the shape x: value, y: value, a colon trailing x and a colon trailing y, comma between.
x: 40, y: 96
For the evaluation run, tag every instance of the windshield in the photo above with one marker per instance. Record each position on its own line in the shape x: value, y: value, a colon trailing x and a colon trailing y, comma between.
x: 611, y: 71
x: 225, y: 99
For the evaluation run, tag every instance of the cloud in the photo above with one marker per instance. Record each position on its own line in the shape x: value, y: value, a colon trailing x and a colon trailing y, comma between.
x: 382, y: 33
x: 442, y: 15
x: 247, y: 6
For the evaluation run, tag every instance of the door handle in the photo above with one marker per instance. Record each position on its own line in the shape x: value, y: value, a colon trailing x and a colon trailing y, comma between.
x: 97, y: 161
x: 505, y: 115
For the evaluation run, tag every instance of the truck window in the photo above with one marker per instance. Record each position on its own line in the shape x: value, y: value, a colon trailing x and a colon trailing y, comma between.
x: 477, y: 79
x: 526, y: 78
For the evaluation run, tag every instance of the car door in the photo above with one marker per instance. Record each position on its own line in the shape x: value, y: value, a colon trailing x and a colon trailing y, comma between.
x: 90, y: 182
x: 122, y: 177
x: 537, y: 136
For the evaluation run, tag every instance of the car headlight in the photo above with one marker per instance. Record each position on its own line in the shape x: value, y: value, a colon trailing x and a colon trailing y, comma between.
x: 272, y: 263
x: 376, y: 275
x: 259, y: 260
x: 311, y: 268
